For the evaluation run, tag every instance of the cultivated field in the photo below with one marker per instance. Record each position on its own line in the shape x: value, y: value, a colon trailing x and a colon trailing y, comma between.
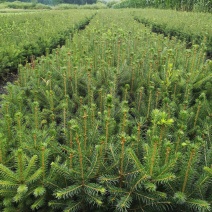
x: 117, y: 119
x: 25, y: 34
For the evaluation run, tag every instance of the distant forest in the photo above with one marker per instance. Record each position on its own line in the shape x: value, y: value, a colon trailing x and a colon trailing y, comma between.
x: 189, y: 5
x: 50, y: 2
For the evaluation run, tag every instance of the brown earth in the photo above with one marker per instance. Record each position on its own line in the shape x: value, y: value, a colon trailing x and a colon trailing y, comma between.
x: 11, y: 77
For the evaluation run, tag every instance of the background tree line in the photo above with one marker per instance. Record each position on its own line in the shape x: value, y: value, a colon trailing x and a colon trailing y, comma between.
x: 189, y: 5
x: 52, y: 2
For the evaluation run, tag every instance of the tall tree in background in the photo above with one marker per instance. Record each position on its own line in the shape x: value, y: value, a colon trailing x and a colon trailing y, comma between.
x: 189, y: 5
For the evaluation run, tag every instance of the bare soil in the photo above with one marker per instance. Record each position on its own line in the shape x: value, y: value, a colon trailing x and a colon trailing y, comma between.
x: 11, y: 77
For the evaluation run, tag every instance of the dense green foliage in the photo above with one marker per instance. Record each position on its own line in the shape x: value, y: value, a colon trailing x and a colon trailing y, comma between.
x: 54, y: 2
x: 24, y: 5
x: 118, y: 119
x: 27, y: 6
x: 79, y: 2
x: 191, y: 27
x: 23, y: 35
x: 85, y: 6
x: 196, y: 5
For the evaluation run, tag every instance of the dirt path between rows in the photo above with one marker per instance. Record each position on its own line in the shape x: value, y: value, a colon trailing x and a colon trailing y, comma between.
x: 11, y: 77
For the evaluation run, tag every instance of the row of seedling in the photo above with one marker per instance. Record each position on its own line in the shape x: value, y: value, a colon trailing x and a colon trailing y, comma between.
x: 118, y: 119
